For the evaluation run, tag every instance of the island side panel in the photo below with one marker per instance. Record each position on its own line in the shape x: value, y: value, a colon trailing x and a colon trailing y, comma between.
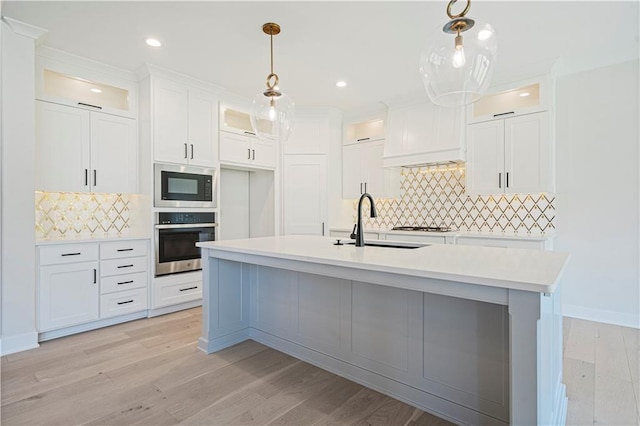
x: 538, y: 396
x: 225, y: 305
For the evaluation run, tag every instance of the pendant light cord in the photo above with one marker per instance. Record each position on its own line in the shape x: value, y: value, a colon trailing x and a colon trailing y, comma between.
x: 271, y: 38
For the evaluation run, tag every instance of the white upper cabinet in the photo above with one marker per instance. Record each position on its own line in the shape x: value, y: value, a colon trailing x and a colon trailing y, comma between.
x: 238, y: 144
x: 524, y: 97
x: 362, y: 172
x: 509, y: 156
x: 69, y: 80
x: 423, y: 133
x: 78, y: 150
x: 365, y: 131
x: 185, y: 127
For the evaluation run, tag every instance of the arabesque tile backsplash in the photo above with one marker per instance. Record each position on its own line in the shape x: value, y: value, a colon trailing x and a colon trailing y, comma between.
x: 435, y: 196
x: 61, y: 215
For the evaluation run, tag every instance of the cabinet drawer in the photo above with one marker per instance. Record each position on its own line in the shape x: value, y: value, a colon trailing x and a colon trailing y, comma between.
x: 120, y: 249
x: 501, y: 242
x: 123, y: 302
x: 171, y: 294
x: 68, y: 253
x: 127, y: 265
x: 123, y: 282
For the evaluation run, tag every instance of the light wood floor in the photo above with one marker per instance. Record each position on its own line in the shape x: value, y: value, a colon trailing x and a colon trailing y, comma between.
x: 150, y: 372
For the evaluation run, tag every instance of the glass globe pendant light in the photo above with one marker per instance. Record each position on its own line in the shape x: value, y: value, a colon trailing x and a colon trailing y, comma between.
x: 272, y: 112
x: 457, y: 70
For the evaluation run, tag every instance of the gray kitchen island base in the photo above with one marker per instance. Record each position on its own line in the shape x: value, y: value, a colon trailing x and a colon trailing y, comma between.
x: 471, y: 354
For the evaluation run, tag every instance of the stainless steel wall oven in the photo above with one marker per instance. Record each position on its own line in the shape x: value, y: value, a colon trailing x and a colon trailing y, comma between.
x: 176, y: 235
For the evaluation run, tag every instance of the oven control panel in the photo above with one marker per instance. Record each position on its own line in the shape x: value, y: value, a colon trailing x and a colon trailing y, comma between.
x: 179, y: 218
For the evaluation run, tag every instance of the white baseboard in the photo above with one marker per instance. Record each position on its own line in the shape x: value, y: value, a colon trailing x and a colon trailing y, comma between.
x: 81, y: 328
x: 174, y: 308
x: 21, y: 342
x: 601, y: 315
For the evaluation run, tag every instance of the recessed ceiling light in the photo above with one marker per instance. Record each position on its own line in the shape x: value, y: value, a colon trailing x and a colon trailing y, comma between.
x: 94, y: 90
x: 153, y: 42
x: 525, y: 94
x: 341, y: 83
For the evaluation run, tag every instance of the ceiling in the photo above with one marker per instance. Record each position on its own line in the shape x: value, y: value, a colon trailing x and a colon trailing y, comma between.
x: 373, y: 46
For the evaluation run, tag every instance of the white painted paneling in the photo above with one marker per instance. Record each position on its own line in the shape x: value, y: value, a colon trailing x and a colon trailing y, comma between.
x: 262, y: 203
x: 318, y: 311
x: 598, y: 189
x: 273, y: 299
x: 234, y: 204
x: 380, y: 324
x: 305, y: 194
x: 233, y: 311
x: 460, y: 357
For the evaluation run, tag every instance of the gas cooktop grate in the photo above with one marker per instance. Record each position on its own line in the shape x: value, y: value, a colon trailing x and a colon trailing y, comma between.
x: 422, y: 228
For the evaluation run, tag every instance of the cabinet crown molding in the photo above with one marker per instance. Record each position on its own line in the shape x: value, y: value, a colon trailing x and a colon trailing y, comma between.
x: 24, y: 29
x: 148, y: 70
x: 95, y: 67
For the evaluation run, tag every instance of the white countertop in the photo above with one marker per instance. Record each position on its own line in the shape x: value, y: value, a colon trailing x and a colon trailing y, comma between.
x: 520, y: 269
x: 85, y: 239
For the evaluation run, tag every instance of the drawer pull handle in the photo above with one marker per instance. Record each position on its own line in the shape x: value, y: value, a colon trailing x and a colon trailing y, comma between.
x: 127, y: 249
x: 125, y: 266
x: 71, y: 254
x: 124, y: 303
x: 503, y: 113
x: 188, y: 288
x: 125, y: 282
x: 249, y: 133
x: 362, y: 139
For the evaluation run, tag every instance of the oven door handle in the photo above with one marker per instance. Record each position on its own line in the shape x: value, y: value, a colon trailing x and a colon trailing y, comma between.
x: 187, y: 225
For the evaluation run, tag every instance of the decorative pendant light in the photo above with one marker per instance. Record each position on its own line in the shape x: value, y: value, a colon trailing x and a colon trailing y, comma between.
x: 272, y: 112
x: 457, y: 70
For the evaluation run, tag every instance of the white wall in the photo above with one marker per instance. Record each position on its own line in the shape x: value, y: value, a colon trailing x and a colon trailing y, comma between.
x: 598, y: 193
x: 18, y: 210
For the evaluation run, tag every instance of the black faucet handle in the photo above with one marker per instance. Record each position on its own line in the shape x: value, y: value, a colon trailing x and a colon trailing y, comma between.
x: 353, y: 233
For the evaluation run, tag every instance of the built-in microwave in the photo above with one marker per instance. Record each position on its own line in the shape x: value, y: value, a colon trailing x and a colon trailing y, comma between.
x: 184, y: 186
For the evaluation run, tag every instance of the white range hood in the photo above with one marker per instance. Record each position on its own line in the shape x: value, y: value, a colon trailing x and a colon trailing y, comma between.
x: 420, y: 133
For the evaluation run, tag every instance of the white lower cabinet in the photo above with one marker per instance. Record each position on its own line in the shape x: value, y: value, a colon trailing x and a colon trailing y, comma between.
x: 175, y: 289
x: 85, y: 282
x: 522, y: 243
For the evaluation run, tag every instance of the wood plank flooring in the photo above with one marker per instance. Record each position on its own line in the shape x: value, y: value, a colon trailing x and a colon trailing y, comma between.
x: 149, y: 372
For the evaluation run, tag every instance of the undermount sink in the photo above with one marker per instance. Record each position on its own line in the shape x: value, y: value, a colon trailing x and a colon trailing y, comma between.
x: 390, y: 244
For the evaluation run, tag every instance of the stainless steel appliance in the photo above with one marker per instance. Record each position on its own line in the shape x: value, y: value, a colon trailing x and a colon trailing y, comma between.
x: 176, y: 235
x: 184, y: 186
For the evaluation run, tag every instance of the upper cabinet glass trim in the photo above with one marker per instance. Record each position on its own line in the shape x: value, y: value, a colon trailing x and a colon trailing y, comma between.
x: 85, y: 91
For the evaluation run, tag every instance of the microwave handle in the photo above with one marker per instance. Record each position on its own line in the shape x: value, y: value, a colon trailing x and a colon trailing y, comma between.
x: 187, y: 225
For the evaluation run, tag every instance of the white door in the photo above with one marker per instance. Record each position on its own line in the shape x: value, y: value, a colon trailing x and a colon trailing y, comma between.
x: 114, y: 159
x: 69, y: 295
x: 234, y: 205
x: 372, y: 171
x: 352, y: 178
x: 170, y: 122
x: 526, y: 148
x: 62, y: 148
x: 203, y: 129
x: 305, y: 195
x: 485, y: 158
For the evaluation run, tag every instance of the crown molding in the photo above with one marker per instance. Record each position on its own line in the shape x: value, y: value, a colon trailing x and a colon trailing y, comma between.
x: 23, y: 28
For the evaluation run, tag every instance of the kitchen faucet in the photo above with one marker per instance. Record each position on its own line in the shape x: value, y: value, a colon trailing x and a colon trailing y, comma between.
x: 358, y: 231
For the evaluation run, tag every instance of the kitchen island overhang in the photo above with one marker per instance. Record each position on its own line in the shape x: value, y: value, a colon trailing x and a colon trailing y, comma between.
x: 471, y: 334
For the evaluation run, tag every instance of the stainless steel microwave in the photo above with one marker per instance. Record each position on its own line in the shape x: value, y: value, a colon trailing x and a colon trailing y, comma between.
x: 184, y: 186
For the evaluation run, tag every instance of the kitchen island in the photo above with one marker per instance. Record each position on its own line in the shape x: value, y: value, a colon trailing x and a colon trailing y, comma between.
x: 470, y: 334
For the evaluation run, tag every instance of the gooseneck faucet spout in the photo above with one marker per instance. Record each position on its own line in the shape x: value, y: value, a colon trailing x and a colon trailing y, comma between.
x: 360, y: 230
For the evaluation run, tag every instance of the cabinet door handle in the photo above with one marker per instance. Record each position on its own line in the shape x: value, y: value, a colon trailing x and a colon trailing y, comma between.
x: 254, y: 154
x: 95, y: 276
x: 188, y: 288
x: 248, y: 153
x: 323, y: 229
x: 71, y: 254
x: 249, y: 133
x: 365, y: 187
x: 89, y: 105
x: 507, y: 179
x: 499, y: 180
x: 185, y: 150
x: 123, y: 303
x: 95, y: 177
x: 125, y: 266
x: 125, y: 282
x: 360, y: 188
x: 192, y: 151
x: 127, y: 249
x: 503, y: 113
x: 86, y: 177
x: 362, y: 139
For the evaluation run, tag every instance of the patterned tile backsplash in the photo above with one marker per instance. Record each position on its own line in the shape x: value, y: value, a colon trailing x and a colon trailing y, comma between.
x: 61, y: 215
x: 435, y: 196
